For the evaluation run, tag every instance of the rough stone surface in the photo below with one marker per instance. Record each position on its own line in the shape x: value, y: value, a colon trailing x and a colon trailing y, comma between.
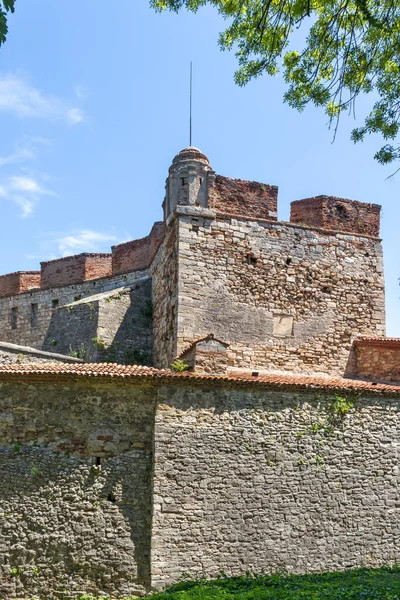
x: 164, y: 271
x: 194, y: 478
x: 68, y: 525
x: 114, y: 326
x: 11, y: 354
x: 28, y: 333
x: 378, y: 360
x: 241, y: 280
x: 271, y: 480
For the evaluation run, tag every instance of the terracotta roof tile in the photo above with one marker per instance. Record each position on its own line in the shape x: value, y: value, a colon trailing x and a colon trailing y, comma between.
x: 210, y: 336
x: 54, y: 372
x: 376, y: 341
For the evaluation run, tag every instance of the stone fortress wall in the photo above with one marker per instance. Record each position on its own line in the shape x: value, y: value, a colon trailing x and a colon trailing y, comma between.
x: 117, y: 480
x: 283, y: 296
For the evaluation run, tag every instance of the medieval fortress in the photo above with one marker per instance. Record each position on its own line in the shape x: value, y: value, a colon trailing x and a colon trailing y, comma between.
x: 277, y: 447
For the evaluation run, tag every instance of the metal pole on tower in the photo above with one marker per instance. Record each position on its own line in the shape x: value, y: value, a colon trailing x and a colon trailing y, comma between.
x: 191, y: 88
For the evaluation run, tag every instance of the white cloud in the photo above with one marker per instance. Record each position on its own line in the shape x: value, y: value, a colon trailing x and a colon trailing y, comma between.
x: 20, y: 155
x: 24, y: 191
x: 17, y: 96
x: 26, y: 205
x: 76, y: 115
x: 21, y: 183
x: 81, y: 92
x: 84, y: 240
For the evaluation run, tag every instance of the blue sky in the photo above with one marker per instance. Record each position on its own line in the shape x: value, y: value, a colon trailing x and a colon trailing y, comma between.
x: 94, y: 105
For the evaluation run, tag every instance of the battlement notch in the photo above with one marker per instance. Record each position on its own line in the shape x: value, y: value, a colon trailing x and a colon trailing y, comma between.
x: 337, y: 214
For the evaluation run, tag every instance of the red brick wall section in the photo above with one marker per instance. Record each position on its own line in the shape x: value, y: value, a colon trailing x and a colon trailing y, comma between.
x: 244, y: 198
x: 157, y: 235
x: 74, y: 269
x: 138, y: 254
x: 378, y: 360
x: 15, y: 283
x: 337, y: 214
x: 97, y: 266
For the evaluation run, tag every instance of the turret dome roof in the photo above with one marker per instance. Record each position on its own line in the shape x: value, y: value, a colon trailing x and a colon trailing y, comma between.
x: 190, y: 153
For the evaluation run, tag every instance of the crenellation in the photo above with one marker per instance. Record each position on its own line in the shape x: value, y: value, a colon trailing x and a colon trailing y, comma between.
x: 17, y: 283
x: 74, y: 269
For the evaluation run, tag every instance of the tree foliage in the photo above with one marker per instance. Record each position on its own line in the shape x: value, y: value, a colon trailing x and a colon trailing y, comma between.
x: 5, y: 6
x: 351, y: 47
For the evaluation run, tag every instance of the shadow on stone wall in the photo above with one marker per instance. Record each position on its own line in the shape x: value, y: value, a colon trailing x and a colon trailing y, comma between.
x: 72, y: 329
x: 133, y: 340
x: 111, y: 327
x: 71, y: 525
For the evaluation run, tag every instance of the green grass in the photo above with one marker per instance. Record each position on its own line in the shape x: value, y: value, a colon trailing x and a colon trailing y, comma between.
x: 361, y: 584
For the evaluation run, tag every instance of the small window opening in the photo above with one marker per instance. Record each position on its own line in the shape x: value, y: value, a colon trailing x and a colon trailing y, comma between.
x: 201, y: 181
x: 288, y: 261
x: 341, y: 211
x: 326, y: 290
x: 34, y: 315
x: 98, y: 461
x: 78, y: 297
x: 55, y: 303
x: 195, y: 228
x: 251, y: 260
x: 14, y: 317
x: 111, y: 497
x: 183, y: 180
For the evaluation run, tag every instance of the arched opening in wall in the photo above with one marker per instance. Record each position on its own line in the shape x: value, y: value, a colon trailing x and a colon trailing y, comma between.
x: 341, y: 211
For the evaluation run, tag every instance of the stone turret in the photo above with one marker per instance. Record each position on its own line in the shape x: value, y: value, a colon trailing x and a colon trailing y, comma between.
x: 189, y: 180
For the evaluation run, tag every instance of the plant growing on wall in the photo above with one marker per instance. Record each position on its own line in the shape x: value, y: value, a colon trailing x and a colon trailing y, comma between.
x: 340, y: 406
x: 80, y: 352
x: 178, y: 366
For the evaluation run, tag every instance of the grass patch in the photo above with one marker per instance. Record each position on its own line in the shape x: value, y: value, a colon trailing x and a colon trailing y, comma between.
x: 360, y: 584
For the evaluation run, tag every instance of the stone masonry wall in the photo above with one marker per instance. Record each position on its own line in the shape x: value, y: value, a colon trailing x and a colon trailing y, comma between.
x: 31, y: 312
x: 275, y: 480
x: 68, y: 523
x: 379, y: 361
x: 111, y: 488
x: 114, y: 326
x: 284, y: 297
x: 164, y: 271
x: 11, y: 354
